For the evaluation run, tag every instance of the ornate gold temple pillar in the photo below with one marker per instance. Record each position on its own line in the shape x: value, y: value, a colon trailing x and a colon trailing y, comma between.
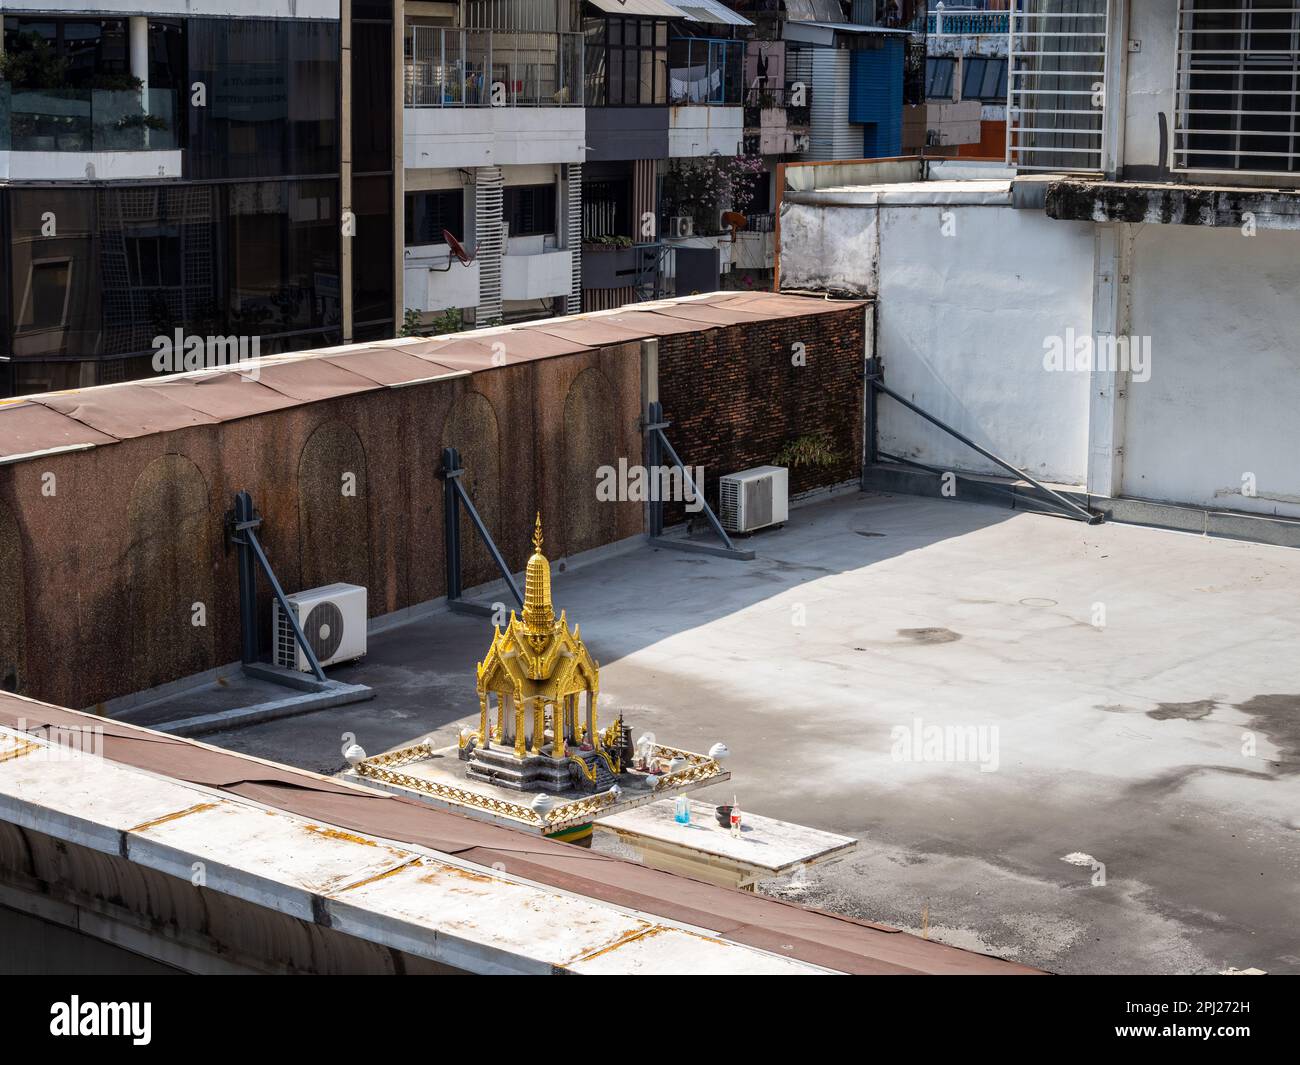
x: 483, y: 720
x: 499, y: 732
x: 592, y: 736
x: 539, y: 724
x: 519, y: 728
x: 558, y: 749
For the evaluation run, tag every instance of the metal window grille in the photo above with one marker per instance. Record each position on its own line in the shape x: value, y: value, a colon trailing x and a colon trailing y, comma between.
x: 1237, y: 86
x: 1056, y: 113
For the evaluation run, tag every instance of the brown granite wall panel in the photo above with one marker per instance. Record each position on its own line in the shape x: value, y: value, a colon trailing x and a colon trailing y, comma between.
x: 169, y: 562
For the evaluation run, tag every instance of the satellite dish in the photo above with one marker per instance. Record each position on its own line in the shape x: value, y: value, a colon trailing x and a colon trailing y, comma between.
x: 457, y: 248
x: 735, y: 221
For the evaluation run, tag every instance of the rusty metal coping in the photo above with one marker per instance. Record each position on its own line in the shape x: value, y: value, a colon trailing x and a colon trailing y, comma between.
x: 77, y: 419
x: 153, y: 797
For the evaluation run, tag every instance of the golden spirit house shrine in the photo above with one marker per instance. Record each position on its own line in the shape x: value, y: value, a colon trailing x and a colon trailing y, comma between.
x: 538, y: 732
x: 537, y: 691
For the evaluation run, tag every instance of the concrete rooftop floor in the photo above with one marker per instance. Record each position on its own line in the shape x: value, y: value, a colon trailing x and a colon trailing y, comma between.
x: 1127, y: 744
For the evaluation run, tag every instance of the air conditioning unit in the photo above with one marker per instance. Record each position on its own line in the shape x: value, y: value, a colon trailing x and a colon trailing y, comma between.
x: 332, y: 618
x: 681, y: 225
x: 754, y: 499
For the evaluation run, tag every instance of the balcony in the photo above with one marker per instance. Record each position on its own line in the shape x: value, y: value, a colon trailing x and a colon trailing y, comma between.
x: 967, y: 23
x: 75, y: 133
x: 435, y: 281
x: 453, y: 68
x: 484, y: 98
x: 705, y: 72
x: 531, y: 269
x: 775, y: 124
x: 778, y: 107
x: 613, y: 266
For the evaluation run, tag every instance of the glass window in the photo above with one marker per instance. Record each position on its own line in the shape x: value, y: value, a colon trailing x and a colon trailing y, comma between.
x: 530, y: 210
x: 47, y: 295
x: 372, y: 97
x: 938, y: 77
x: 372, y: 255
x: 133, y: 262
x: 429, y: 213
x: 272, y: 98
x: 636, y: 57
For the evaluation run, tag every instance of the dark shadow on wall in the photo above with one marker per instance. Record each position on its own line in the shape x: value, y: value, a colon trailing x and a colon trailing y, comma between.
x: 590, y: 441
x: 169, y: 559
x: 333, y: 508
x: 13, y: 666
x: 471, y: 427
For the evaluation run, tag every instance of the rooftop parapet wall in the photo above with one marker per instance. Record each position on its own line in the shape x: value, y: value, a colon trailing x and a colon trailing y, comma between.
x: 1072, y: 199
x: 112, y: 499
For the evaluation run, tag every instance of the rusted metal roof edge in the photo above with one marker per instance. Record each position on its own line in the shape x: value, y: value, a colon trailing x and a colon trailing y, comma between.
x: 791, y: 932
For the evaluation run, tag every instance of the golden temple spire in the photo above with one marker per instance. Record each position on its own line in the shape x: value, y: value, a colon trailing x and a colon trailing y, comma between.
x: 539, y: 616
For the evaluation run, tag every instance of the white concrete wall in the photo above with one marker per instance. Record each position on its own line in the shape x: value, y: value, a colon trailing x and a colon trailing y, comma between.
x: 536, y: 276
x: 961, y: 329
x: 1150, y: 79
x: 1223, y: 399
x: 493, y: 136
x: 84, y: 166
x: 834, y: 248
x: 695, y: 130
x: 429, y: 287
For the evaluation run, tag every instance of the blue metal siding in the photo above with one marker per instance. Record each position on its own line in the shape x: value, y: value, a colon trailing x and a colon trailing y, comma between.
x: 876, y: 97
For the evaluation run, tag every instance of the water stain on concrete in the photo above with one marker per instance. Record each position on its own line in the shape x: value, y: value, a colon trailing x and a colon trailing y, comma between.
x: 931, y: 635
x: 1192, y: 711
x: 1278, y: 717
x: 1167, y: 783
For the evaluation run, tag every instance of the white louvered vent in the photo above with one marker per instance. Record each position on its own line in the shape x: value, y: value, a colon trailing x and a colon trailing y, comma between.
x: 490, y: 242
x: 573, y: 178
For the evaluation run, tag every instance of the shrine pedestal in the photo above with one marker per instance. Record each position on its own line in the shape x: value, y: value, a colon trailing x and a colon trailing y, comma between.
x: 500, y: 766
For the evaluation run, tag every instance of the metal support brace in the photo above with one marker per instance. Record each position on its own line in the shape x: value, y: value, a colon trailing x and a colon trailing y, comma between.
x: 876, y: 384
x: 454, y: 497
x: 657, y: 448
x: 241, y: 530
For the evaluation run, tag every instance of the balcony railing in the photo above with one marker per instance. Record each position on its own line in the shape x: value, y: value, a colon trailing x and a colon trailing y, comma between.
x: 486, y: 68
x: 759, y: 99
x: 967, y: 23
x: 87, y: 120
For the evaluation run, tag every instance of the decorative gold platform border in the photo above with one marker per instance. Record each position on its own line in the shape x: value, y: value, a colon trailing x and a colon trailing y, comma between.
x: 384, y: 769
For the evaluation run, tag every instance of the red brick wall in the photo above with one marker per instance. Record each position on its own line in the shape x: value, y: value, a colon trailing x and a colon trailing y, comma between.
x: 735, y: 397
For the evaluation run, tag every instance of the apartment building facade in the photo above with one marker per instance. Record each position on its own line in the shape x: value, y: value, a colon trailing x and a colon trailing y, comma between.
x: 1114, y: 308
x: 580, y: 154
x: 190, y: 170
x: 297, y: 173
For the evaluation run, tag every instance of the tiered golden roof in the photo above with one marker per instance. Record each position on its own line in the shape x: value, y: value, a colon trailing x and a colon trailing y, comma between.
x: 537, y: 670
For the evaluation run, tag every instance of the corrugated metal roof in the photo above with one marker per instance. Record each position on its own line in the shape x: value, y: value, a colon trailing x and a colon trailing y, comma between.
x: 659, y: 8
x: 712, y: 11
x: 797, y: 936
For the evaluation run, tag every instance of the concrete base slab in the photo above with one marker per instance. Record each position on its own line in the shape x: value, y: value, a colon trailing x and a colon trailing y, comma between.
x: 1142, y: 684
